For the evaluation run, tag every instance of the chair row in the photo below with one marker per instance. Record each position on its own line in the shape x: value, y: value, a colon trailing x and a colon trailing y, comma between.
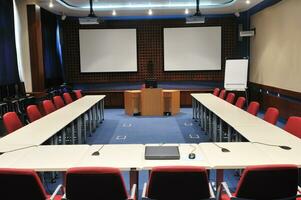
x: 12, y: 121
x: 169, y: 182
x: 293, y: 124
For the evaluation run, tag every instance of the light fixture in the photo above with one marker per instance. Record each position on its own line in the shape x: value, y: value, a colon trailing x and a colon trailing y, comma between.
x: 248, y: 1
x: 150, y: 12
x: 51, y: 4
x: 114, y: 12
x: 186, y: 11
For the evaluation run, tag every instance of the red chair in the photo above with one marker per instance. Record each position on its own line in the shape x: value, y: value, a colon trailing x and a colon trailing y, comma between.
x: 222, y: 94
x: 67, y: 98
x: 271, y: 115
x: 33, y: 113
x: 78, y: 94
x: 293, y: 126
x: 96, y: 183
x: 48, y: 107
x: 265, y: 182
x: 216, y: 91
x: 230, y: 98
x: 240, y: 102
x: 253, y: 108
x: 11, y: 122
x: 178, y: 183
x: 23, y: 184
x: 58, y: 102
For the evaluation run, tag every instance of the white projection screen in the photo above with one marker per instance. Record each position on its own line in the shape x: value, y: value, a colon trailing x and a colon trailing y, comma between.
x: 192, y: 48
x: 108, y: 50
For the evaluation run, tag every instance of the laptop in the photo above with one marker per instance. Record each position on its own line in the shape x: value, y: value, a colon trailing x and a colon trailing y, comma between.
x: 162, y: 153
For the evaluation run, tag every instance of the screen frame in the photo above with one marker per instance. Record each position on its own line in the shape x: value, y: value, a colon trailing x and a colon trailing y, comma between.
x: 82, y: 27
x: 195, y: 26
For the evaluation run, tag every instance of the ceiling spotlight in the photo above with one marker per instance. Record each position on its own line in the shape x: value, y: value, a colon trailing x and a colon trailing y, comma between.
x: 50, y: 4
x: 186, y: 11
x: 114, y: 12
x: 150, y: 12
x: 248, y: 1
x: 237, y: 14
x: 63, y: 17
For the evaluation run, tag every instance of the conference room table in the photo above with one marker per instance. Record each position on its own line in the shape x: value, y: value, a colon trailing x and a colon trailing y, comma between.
x: 89, y: 108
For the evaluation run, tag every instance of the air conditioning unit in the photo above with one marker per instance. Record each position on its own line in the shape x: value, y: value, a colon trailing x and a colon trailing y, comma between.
x: 195, y: 19
x: 89, y: 20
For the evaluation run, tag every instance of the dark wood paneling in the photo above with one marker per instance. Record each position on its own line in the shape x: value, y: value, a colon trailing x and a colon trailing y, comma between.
x: 149, y: 48
x: 288, y: 103
x: 36, y: 48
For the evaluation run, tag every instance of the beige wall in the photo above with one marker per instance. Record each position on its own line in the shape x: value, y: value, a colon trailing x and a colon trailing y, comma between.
x: 276, y: 48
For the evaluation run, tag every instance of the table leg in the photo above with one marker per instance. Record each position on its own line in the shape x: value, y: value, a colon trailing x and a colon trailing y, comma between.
x: 79, y: 130
x: 219, y: 177
x: 134, y: 179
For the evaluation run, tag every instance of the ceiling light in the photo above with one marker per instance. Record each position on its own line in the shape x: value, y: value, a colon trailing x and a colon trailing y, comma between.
x: 114, y: 12
x: 50, y: 4
x: 248, y: 1
x: 150, y: 12
x: 186, y: 11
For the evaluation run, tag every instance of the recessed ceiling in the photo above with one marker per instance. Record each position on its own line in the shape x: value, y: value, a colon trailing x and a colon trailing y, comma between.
x: 140, y: 7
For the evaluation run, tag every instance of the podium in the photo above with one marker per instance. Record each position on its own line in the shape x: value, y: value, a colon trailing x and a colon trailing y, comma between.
x: 152, y: 102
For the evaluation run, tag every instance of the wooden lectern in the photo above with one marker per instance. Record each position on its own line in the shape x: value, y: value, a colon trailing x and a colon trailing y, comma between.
x: 151, y: 102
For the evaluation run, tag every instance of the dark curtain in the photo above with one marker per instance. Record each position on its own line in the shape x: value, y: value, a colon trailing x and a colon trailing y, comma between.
x: 51, y: 53
x: 8, y: 56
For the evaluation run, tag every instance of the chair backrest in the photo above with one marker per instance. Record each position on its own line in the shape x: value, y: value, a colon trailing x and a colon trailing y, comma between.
x: 222, y: 94
x: 268, y: 182
x: 178, y: 183
x: 293, y: 126
x: 216, y: 91
x: 230, y: 98
x: 33, y: 113
x: 240, y: 102
x: 67, y: 98
x: 78, y: 94
x: 11, y: 122
x: 48, y: 107
x: 253, y: 108
x: 58, y: 102
x: 271, y: 115
x: 95, y: 183
x: 21, y: 184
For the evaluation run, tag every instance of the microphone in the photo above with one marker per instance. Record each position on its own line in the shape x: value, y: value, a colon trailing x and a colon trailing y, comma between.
x: 18, y: 149
x: 274, y: 145
x: 225, y: 150
x: 96, y: 153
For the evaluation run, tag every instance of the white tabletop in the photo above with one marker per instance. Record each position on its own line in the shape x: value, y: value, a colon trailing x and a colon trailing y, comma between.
x: 41, y: 130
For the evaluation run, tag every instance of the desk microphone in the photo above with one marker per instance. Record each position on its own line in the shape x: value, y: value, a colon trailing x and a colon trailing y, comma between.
x: 225, y: 150
x: 18, y: 149
x: 274, y: 145
x: 96, y: 153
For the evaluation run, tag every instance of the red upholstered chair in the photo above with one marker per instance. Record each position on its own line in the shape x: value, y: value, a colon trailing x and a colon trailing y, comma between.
x: 222, y: 94
x: 240, y: 102
x: 216, y: 91
x: 293, y: 126
x: 271, y: 115
x: 78, y: 94
x: 178, y: 183
x: 230, y: 98
x: 11, y: 122
x: 58, y: 102
x: 96, y: 183
x: 33, y: 113
x: 265, y: 182
x: 253, y: 108
x: 67, y: 98
x: 23, y: 184
x: 48, y: 107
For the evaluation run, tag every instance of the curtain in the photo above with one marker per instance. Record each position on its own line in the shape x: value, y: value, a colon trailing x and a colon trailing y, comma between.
x: 8, y: 56
x: 52, y: 62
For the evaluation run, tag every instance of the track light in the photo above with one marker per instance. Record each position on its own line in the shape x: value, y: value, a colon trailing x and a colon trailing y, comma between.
x: 51, y: 4
x: 150, y: 12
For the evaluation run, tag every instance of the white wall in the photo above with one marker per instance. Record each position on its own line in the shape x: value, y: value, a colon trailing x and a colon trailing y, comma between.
x: 22, y: 43
x: 276, y: 47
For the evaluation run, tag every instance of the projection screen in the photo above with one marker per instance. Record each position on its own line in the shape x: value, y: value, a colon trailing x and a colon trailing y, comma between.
x: 192, y: 48
x: 108, y: 50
